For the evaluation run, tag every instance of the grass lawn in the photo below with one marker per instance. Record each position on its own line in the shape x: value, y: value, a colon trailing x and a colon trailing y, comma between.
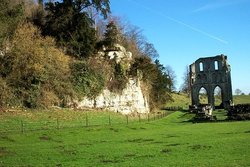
x: 171, y: 141
x: 241, y: 99
x: 182, y: 100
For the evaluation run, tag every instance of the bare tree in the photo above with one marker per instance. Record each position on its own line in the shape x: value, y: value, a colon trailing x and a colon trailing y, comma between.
x: 185, y: 87
x: 171, y: 74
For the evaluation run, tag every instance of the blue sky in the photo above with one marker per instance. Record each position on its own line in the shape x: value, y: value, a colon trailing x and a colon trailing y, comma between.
x: 184, y: 30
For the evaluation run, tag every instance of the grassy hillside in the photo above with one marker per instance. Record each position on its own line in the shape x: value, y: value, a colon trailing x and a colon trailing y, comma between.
x: 32, y: 120
x: 171, y: 141
x: 183, y: 100
x: 180, y: 99
x: 241, y: 99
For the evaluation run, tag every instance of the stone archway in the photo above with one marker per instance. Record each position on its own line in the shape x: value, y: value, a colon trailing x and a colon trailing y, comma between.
x: 203, y: 96
x: 218, y: 97
x: 209, y: 73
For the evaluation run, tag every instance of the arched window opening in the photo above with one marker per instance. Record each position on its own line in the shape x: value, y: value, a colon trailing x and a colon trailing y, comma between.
x: 216, y: 65
x: 201, y: 66
x: 203, y: 97
x: 218, y: 97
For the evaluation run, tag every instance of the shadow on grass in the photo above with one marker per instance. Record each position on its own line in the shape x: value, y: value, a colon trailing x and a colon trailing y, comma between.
x: 173, y: 109
x: 196, y: 120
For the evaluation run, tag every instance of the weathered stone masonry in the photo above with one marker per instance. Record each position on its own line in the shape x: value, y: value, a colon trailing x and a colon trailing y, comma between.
x: 208, y: 73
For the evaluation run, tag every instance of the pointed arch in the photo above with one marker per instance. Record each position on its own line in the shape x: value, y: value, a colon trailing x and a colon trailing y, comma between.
x: 218, y: 97
x: 203, y: 96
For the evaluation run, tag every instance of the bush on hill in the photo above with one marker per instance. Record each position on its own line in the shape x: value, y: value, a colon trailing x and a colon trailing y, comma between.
x: 38, y: 75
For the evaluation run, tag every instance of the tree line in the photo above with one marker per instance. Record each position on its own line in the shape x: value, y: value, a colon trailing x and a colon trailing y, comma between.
x: 49, y: 54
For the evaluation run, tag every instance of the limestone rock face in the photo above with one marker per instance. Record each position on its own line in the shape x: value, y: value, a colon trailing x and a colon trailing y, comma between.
x: 118, y: 53
x: 130, y: 100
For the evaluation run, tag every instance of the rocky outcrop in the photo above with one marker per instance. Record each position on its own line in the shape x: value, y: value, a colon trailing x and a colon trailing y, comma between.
x: 117, y: 52
x: 130, y: 100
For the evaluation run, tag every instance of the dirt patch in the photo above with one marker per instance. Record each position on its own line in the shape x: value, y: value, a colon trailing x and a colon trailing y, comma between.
x: 114, y: 130
x: 146, y: 156
x: 109, y: 161
x: 45, y: 138
x: 140, y: 140
x: 129, y: 155
x: 69, y: 151
x: 173, y: 144
x: 142, y: 128
x: 3, y: 151
x: 200, y: 147
x: 165, y: 151
x: 85, y: 144
x: 158, y: 142
x: 6, y: 138
x: 171, y: 136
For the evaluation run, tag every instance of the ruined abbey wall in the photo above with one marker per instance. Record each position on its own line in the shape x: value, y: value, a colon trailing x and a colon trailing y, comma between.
x: 209, y: 73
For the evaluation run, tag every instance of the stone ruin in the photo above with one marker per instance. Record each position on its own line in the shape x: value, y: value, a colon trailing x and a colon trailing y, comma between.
x: 209, y: 73
x: 239, y: 112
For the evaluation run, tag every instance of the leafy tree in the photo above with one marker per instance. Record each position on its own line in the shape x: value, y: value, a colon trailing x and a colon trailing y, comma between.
x: 156, y: 80
x: 38, y: 74
x: 238, y: 91
x: 38, y: 15
x: 145, y: 66
x: 87, y: 80
x: 161, y: 86
x: 112, y: 35
x: 11, y: 13
x: 119, y: 78
x: 6, y: 96
x: 71, y: 25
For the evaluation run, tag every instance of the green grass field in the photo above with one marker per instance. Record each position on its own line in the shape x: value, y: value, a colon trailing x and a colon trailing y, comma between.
x: 171, y: 141
x: 183, y: 100
x: 241, y: 99
x: 64, y: 138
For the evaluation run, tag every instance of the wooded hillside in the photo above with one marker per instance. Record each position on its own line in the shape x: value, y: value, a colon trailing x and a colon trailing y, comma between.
x: 49, y: 54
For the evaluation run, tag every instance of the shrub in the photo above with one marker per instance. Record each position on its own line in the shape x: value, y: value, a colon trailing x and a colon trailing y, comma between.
x: 36, y: 68
x: 87, y: 80
x: 6, y: 95
x: 119, y: 79
x: 156, y: 82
